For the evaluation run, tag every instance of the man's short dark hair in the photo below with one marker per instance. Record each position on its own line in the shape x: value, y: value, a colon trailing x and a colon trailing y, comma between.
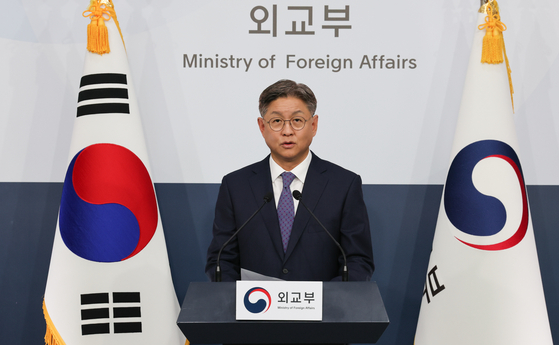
x: 286, y: 88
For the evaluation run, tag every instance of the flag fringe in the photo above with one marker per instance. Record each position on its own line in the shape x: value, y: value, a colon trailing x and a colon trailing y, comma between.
x: 100, y: 11
x: 509, y: 73
x: 52, y: 337
x: 112, y: 6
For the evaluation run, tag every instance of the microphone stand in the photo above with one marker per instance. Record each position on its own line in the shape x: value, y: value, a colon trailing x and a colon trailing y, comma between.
x: 345, y: 275
x: 269, y: 196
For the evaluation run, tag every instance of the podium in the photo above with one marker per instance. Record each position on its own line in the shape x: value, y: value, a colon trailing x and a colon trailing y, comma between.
x: 353, y: 312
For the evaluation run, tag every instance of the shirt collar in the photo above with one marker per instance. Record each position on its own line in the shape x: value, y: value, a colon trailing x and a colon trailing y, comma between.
x: 300, y: 170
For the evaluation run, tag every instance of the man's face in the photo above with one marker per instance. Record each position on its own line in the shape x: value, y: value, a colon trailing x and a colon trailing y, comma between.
x: 288, y: 147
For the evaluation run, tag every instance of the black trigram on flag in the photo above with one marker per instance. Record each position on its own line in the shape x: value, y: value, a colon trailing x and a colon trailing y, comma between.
x: 97, y: 308
x: 103, y: 93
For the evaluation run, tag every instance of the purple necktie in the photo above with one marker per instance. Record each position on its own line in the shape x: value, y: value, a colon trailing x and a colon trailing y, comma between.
x: 286, y: 210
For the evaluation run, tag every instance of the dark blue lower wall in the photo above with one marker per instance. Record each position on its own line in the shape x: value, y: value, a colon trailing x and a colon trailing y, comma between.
x: 403, y: 219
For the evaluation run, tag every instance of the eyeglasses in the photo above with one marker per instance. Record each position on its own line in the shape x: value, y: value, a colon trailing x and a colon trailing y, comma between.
x: 297, y: 123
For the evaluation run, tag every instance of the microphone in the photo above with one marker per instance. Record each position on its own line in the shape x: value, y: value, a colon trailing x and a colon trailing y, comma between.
x: 269, y: 196
x: 298, y: 196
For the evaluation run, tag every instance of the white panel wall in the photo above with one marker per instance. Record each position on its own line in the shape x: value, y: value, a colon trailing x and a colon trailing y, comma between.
x: 392, y: 126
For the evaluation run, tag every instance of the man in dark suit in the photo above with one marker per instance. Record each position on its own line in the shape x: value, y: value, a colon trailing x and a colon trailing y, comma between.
x: 284, y: 241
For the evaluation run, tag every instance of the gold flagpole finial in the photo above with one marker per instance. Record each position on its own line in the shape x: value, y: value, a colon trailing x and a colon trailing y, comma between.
x: 488, y: 3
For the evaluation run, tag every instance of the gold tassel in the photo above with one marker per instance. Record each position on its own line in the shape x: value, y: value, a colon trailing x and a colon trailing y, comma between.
x: 52, y: 337
x: 92, y: 36
x: 492, y: 49
x: 97, y: 33
x: 103, y: 45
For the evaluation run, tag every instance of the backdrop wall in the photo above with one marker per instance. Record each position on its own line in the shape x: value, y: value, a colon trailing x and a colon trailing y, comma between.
x: 388, y: 77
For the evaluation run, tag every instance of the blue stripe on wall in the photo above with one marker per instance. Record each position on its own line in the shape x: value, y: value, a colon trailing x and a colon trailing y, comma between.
x: 403, y: 219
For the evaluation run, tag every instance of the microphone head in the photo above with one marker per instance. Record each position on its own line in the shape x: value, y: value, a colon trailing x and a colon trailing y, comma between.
x: 297, y: 195
x: 269, y: 196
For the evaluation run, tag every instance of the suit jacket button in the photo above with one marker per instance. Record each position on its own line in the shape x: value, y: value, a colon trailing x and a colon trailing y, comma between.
x: 285, y: 271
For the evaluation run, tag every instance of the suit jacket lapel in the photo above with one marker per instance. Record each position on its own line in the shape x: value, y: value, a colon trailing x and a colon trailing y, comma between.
x: 315, y: 182
x: 261, y: 183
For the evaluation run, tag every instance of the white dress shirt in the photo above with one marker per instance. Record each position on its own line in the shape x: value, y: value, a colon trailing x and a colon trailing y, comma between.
x: 300, y: 172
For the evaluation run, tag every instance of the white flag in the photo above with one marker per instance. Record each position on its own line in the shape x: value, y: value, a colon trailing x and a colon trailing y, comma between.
x: 483, y: 283
x: 109, y: 280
